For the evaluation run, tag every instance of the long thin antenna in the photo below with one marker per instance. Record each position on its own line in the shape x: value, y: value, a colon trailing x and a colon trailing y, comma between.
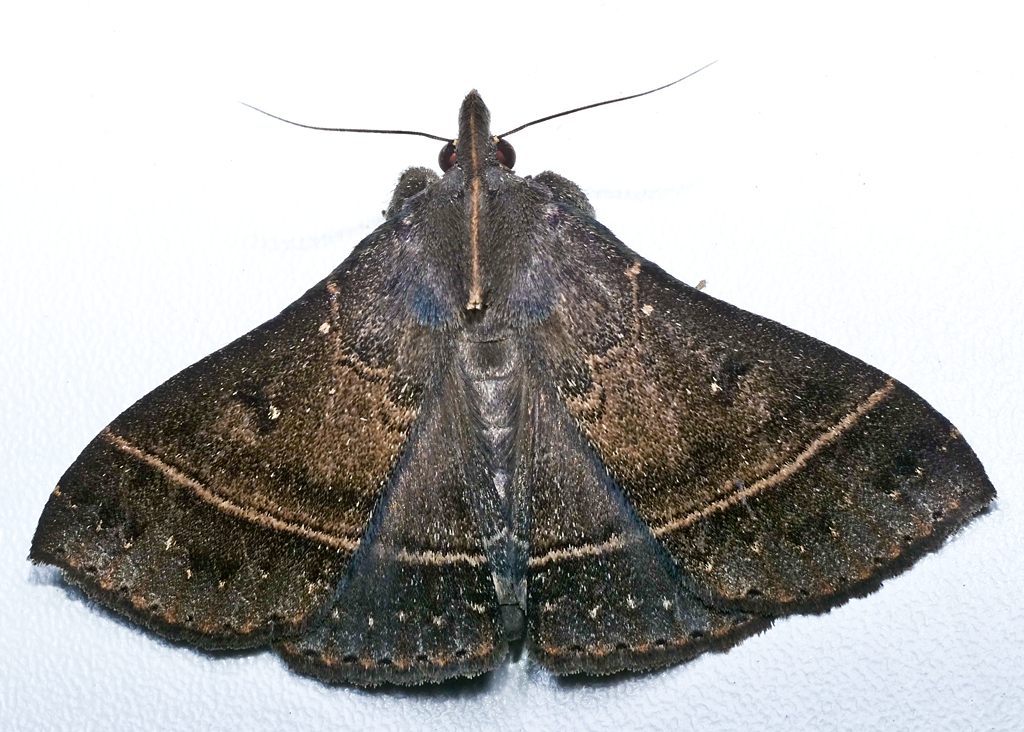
x: 448, y: 139
x: 349, y: 129
x: 601, y: 104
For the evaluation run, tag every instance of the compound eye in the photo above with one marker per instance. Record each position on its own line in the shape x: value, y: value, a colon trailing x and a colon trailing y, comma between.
x: 447, y: 157
x: 506, y: 153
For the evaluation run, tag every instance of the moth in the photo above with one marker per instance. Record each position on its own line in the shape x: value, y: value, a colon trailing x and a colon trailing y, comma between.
x: 495, y: 424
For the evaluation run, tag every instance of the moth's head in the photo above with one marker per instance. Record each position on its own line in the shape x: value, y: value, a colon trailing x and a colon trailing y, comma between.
x: 475, y: 147
x: 503, y: 149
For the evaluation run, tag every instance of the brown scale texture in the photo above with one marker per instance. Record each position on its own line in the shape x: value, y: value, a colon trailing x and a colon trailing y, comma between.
x: 495, y: 424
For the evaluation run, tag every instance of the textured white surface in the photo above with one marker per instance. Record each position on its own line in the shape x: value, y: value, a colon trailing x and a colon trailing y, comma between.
x: 855, y: 176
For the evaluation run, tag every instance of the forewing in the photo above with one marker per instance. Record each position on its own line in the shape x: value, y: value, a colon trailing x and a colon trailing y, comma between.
x: 225, y: 506
x: 779, y: 473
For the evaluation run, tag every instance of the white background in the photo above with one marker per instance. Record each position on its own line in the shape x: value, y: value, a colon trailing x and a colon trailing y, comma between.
x: 856, y: 175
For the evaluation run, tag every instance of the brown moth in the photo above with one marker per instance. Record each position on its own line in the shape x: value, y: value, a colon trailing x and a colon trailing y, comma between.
x: 495, y: 423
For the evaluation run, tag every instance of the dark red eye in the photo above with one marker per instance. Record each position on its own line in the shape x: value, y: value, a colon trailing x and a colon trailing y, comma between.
x: 447, y: 157
x: 506, y: 153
